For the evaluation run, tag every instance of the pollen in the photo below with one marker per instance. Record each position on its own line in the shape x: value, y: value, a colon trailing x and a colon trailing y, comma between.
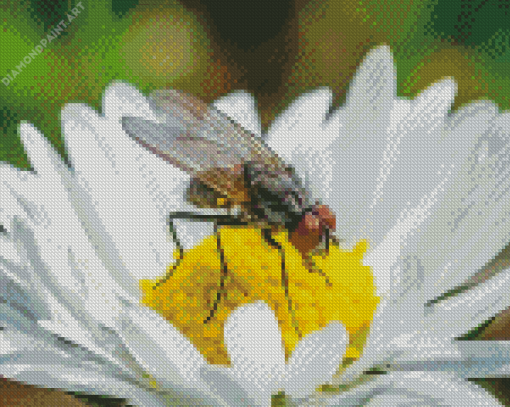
x: 306, y: 294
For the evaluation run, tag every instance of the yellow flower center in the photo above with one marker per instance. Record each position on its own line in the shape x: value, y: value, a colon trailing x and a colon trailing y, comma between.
x: 198, y: 293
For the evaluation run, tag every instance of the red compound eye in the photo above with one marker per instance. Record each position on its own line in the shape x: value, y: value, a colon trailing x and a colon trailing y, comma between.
x: 308, y: 233
x: 311, y: 224
x: 310, y: 230
x: 326, y: 216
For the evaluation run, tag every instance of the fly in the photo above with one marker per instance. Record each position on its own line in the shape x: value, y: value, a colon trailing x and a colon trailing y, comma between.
x: 232, y: 169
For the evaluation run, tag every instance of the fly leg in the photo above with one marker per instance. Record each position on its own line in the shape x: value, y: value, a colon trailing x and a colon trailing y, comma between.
x: 311, y: 267
x: 195, y: 217
x: 329, y: 238
x: 173, y: 232
x: 223, y: 278
x: 266, y: 234
x: 308, y: 262
x: 198, y: 217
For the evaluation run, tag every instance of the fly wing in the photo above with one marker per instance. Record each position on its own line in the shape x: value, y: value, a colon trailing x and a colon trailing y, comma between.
x: 179, y: 146
x: 200, y: 140
x: 211, y: 124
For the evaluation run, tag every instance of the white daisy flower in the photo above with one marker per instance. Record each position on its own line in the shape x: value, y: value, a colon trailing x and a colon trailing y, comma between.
x: 426, y: 189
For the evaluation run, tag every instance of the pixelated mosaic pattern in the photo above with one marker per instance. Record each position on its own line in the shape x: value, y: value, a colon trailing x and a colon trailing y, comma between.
x: 274, y: 51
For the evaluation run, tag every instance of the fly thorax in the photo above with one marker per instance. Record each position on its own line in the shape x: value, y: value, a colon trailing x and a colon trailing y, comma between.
x: 276, y: 196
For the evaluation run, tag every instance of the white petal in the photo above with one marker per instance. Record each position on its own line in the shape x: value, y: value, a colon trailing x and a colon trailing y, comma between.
x: 123, y: 177
x: 43, y: 157
x: 20, y: 188
x: 158, y: 345
x: 43, y: 320
x: 467, y: 359
x: 391, y: 333
x: 404, y: 328
x: 81, y: 380
x: 73, y: 307
x: 300, y: 136
x: 192, y: 233
x: 254, y: 344
x: 468, y: 190
x: 472, y: 222
x: 315, y: 359
x: 165, y: 184
x: 374, y: 82
x: 47, y: 200
x: 457, y: 315
x: 485, y: 353
x: 399, y: 239
x: 402, y: 169
x: 241, y: 107
x: 85, y: 331
x: 10, y: 204
x: 122, y: 99
x: 298, y: 124
x: 24, y: 343
x: 15, y: 290
x: 414, y: 158
x: 229, y: 387
x: 130, y: 191
x: 400, y: 323
x: 437, y: 166
x: 165, y: 353
x: 433, y: 389
x: 358, y: 396
x: 416, y: 389
x: 358, y: 151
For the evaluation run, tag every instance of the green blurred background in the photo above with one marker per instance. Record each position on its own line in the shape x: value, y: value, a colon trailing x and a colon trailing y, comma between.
x: 275, y: 49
